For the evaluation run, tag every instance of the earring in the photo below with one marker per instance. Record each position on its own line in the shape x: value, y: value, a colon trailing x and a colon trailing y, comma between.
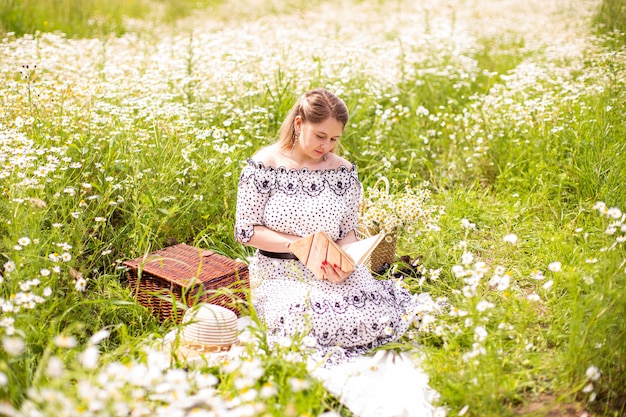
x: 294, y: 141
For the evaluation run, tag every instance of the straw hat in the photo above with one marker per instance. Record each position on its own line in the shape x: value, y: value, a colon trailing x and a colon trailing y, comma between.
x: 206, y: 329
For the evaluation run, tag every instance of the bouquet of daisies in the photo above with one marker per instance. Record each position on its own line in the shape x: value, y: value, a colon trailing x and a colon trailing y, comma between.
x: 398, y: 207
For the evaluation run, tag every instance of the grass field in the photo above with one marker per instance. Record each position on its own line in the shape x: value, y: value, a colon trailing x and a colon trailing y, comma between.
x: 120, y: 141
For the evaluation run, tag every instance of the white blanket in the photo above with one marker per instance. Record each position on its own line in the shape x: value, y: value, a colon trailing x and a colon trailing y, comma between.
x: 387, y: 384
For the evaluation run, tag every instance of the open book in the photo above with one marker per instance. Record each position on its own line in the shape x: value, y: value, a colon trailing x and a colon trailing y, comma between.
x: 318, y: 247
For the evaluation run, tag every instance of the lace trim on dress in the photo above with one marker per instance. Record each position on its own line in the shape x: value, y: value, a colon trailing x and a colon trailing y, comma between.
x: 290, y: 181
x: 383, y: 332
x: 244, y: 233
x: 261, y: 165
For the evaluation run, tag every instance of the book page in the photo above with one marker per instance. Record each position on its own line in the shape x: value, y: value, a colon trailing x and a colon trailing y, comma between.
x: 361, y: 249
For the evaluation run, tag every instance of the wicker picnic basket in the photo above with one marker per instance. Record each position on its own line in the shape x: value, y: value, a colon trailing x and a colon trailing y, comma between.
x: 384, y: 254
x: 186, y: 275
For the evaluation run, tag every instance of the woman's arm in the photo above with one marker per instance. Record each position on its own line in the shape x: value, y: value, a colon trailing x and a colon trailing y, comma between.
x: 349, y: 238
x: 270, y: 240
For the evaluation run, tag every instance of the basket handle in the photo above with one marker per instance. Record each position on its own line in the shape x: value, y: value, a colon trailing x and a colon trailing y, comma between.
x: 382, y: 179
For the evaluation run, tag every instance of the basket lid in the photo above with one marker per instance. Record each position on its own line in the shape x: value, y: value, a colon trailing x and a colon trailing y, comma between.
x: 182, y: 263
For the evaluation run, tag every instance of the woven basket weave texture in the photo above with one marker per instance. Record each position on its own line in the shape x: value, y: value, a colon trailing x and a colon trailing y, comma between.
x: 384, y: 253
x: 188, y: 274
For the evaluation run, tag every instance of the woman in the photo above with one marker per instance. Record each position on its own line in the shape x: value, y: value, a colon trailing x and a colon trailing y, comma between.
x: 295, y: 187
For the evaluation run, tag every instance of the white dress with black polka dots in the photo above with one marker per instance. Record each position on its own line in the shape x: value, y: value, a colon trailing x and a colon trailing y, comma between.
x: 346, y: 319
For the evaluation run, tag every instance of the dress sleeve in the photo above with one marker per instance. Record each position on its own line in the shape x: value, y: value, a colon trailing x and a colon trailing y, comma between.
x: 352, y: 199
x: 252, y: 195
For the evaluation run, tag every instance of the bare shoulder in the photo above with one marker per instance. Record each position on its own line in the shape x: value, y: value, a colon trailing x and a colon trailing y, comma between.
x: 337, y: 161
x: 268, y: 156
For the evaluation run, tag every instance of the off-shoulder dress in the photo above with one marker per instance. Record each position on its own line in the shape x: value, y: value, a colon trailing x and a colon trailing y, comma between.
x: 345, y: 320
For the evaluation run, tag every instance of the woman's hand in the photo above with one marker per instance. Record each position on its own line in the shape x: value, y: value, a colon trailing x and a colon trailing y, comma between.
x: 333, y: 273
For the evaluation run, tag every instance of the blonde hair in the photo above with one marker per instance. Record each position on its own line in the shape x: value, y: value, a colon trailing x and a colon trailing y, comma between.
x: 314, y: 106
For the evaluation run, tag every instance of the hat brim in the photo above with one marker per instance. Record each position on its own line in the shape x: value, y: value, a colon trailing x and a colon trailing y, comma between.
x: 175, y: 346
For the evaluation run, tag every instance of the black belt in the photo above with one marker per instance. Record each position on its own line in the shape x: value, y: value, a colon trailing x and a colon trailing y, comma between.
x: 278, y: 255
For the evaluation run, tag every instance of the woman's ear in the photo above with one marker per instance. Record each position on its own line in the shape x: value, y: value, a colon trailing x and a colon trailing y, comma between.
x: 297, y: 125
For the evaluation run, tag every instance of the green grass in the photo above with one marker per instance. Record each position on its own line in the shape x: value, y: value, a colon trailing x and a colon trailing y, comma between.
x: 611, y: 16
x: 140, y: 145
x: 73, y: 17
x: 98, y: 18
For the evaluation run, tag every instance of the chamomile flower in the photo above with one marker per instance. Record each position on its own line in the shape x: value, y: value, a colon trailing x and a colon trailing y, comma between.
x: 510, y: 238
x: 14, y: 346
x: 588, y: 388
x: 600, y: 206
x: 533, y: 297
x: 434, y: 274
x: 298, y: 384
x: 467, y: 258
x: 480, y: 334
x: 64, y: 246
x: 9, y: 267
x: 440, y: 412
x: 285, y: 342
x: 484, y: 305
x: 99, y: 336
x: 55, y: 367
x: 593, y: 373
x: 268, y: 390
x: 309, y: 341
x: 66, y: 342
x: 89, y: 357
x: 466, y: 224
x: 555, y: 266
x: 614, y: 212
x: 80, y: 284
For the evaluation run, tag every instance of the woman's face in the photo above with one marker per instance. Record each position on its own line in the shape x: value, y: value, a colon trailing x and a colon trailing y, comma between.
x: 315, y: 140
